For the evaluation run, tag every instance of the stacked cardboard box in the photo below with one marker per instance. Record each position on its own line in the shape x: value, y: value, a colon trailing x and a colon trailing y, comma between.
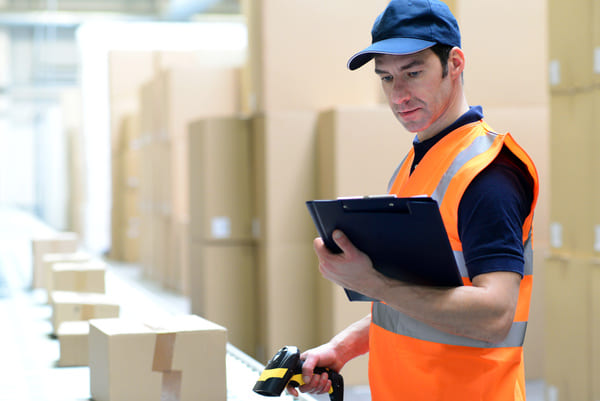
x: 79, y: 277
x: 50, y: 259
x: 60, y: 243
x: 182, y: 358
x: 173, y: 99
x: 68, y: 306
x: 222, y: 276
x: 127, y: 71
x: 595, y: 263
x: 126, y: 176
x: 573, y: 360
x: 73, y: 339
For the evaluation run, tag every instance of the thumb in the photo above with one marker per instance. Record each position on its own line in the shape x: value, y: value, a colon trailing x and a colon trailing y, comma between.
x: 342, y: 241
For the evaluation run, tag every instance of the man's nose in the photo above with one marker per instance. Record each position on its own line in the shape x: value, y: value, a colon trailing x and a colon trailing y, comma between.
x: 400, y: 94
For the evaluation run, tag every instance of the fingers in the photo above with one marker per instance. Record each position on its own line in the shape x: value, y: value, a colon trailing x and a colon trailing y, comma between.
x: 313, y: 383
x: 317, y: 384
x: 292, y: 390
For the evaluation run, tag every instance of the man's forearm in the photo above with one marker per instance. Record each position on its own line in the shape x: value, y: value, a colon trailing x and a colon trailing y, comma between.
x: 353, y: 341
x: 483, y: 312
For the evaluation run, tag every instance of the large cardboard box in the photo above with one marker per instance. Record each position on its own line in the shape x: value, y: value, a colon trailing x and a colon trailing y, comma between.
x: 595, y: 324
x: 485, y: 38
x: 64, y: 242
x: 296, y: 59
x: 181, y: 358
x: 224, y: 280
x: 571, y: 44
x: 220, y: 179
x: 595, y: 144
x: 572, y: 176
x: 79, y: 277
x: 70, y: 306
x: 50, y: 259
x: 73, y: 341
x: 568, y: 327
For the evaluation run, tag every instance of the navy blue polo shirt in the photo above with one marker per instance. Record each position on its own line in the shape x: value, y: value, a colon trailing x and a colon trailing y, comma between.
x: 493, y: 208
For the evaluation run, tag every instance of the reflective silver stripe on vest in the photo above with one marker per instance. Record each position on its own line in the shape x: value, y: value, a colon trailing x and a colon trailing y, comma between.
x: 399, y: 323
x: 479, y: 145
x: 528, y: 255
x: 393, y: 179
x: 460, y: 262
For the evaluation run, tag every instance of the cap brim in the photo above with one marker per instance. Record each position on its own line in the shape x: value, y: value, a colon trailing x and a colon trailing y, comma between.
x: 395, y: 46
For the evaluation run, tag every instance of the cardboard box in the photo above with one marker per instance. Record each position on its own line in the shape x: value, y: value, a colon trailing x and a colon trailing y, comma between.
x: 223, y: 289
x: 568, y: 327
x: 491, y: 82
x: 73, y: 340
x: 595, y: 324
x: 64, y: 242
x: 79, y: 277
x: 220, y: 180
x: 572, y: 175
x: 595, y: 144
x: 313, y: 32
x: 182, y: 358
x: 571, y: 44
x: 50, y: 259
x: 70, y: 306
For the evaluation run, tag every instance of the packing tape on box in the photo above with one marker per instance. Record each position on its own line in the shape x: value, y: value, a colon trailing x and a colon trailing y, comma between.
x: 88, y: 311
x: 164, y: 349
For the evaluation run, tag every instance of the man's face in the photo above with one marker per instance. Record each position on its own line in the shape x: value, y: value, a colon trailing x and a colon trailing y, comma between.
x: 416, y: 91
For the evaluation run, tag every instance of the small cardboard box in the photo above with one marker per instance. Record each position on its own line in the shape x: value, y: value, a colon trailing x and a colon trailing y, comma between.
x: 59, y: 243
x: 51, y: 258
x: 181, y: 358
x: 70, y: 306
x: 79, y: 277
x: 73, y: 340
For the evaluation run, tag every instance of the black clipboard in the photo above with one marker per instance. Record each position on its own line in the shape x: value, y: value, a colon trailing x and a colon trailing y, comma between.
x: 404, y: 237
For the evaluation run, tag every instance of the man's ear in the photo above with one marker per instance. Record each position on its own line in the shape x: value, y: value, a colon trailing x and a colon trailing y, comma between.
x: 456, y: 62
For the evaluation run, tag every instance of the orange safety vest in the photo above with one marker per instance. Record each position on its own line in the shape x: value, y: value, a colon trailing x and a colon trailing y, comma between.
x: 410, y: 360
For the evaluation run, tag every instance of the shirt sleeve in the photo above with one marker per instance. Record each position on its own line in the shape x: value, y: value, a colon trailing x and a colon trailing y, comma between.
x: 491, y: 215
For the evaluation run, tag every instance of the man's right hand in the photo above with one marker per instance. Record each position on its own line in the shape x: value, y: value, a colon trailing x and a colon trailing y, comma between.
x: 322, y: 356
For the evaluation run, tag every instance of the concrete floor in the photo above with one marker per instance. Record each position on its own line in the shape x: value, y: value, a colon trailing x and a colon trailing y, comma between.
x: 28, y: 371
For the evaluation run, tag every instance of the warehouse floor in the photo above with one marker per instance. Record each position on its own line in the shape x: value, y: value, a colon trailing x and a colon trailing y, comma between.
x: 29, y: 371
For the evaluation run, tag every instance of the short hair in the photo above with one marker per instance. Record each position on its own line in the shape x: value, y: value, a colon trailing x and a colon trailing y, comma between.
x: 443, y: 53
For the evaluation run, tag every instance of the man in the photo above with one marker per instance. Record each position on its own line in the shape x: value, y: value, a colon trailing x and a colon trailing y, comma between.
x: 429, y: 343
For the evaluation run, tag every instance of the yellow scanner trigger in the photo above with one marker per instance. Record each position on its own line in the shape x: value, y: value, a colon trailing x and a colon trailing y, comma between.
x: 272, y: 373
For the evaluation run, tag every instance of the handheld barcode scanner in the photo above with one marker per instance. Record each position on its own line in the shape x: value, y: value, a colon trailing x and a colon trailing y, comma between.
x: 286, y: 368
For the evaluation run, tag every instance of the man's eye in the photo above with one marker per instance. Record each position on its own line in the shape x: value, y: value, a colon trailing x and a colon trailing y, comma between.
x: 413, y: 74
x: 386, y: 78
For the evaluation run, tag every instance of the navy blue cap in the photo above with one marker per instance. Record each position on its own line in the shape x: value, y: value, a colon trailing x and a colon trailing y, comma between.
x: 409, y: 26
